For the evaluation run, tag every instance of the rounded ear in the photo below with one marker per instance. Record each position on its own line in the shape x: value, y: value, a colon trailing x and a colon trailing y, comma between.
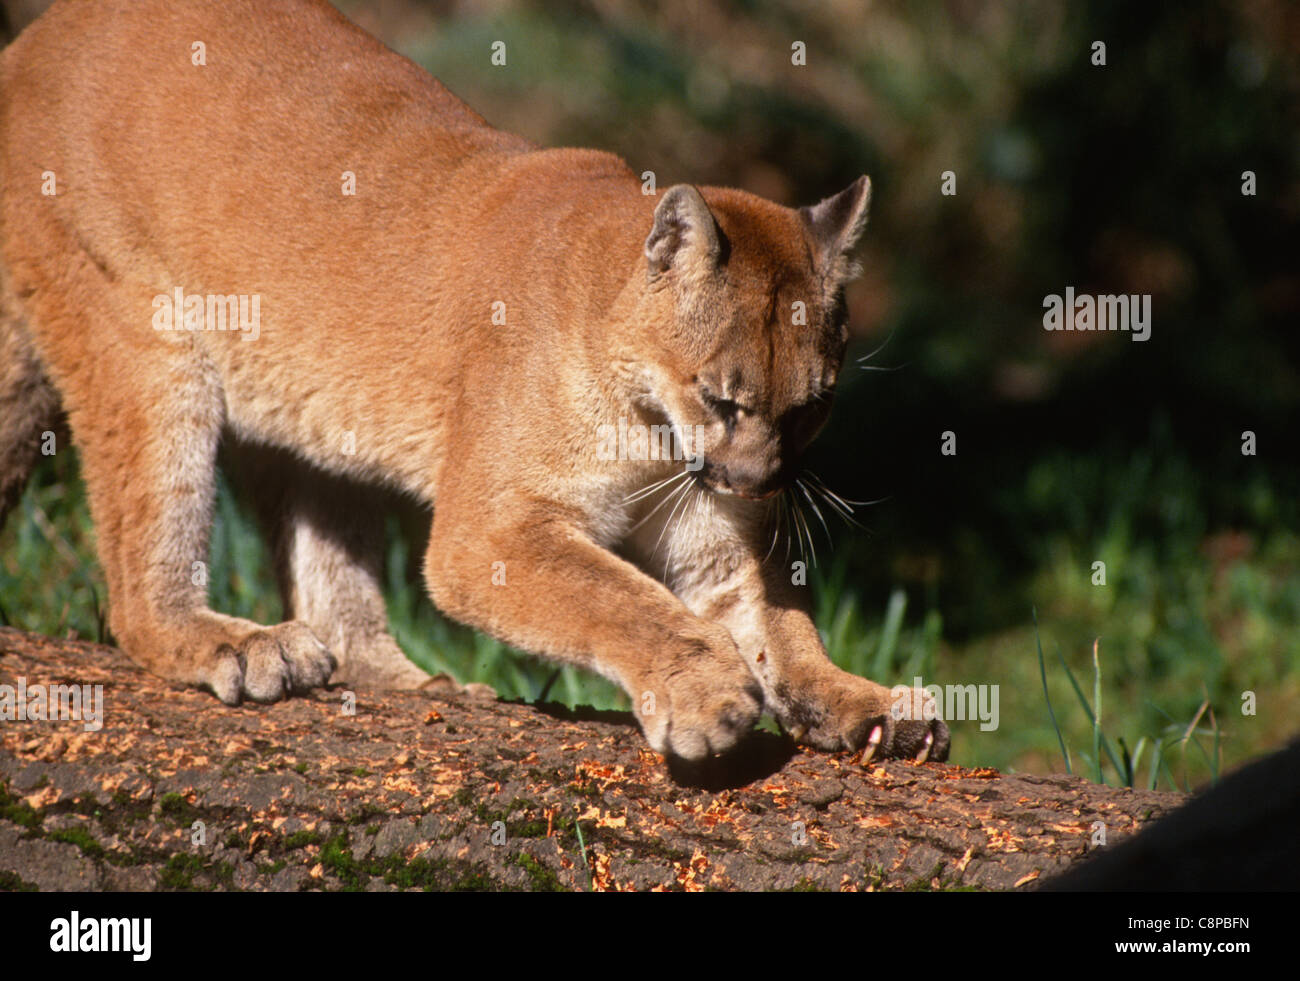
x: 835, y: 225
x: 684, y: 236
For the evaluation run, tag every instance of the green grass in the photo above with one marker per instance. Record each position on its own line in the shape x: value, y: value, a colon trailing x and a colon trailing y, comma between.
x: 49, y: 580
x: 1127, y: 763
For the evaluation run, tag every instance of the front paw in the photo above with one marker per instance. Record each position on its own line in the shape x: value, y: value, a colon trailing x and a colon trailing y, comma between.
x: 845, y: 712
x: 270, y: 664
x: 703, y: 706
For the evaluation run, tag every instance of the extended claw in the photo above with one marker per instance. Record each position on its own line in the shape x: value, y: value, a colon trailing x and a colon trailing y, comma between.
x: 924, y: 753
x: 873, y: 743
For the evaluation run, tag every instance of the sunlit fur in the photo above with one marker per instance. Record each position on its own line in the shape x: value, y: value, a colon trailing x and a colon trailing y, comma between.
x: 459, y: 330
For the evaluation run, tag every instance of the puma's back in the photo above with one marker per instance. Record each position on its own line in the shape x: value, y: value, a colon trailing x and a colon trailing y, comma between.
x: 209, y: 145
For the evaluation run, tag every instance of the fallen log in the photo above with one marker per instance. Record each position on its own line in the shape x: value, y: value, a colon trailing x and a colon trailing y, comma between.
x: 397, y: 790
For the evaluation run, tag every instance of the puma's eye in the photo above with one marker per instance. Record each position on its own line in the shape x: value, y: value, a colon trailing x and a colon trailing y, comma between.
x: 725, y: 409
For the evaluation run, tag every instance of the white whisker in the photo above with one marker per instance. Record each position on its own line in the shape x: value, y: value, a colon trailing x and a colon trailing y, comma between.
x: 796, y: 524
x: 774, y: 515
x: 816, y: 510
x: 679, y: 495
x: 647, y: 491
x: 676, y: 520
x: 803, y: 518
x: 785, y: 520
x: 658, y: 507
x: 844, y: 502
x: 883, y: 345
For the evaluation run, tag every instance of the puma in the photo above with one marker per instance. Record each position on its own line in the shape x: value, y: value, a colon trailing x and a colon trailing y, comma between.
x: 407, y: 297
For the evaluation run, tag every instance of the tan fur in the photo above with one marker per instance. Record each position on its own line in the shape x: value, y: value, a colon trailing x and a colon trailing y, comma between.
x: 377, y: 360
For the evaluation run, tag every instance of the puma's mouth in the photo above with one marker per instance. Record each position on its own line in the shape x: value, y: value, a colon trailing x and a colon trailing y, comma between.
x: 758, y: 497
x: 716, y: 486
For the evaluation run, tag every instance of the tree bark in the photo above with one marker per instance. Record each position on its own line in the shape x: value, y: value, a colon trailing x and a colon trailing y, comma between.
x: 177, y: 791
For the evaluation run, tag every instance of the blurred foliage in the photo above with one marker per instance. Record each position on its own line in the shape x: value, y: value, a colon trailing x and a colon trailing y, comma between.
x: 1072, y: 448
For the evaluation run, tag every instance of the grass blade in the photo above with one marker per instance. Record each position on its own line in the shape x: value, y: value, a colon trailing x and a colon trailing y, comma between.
x: 889, y: 634
x: 1042, y: 671
x: 1092, y: 719
x: 1096, y: 719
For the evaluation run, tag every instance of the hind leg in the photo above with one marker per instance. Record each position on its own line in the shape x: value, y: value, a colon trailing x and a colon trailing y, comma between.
x: 328, y: 538
x: 146, y: 409
x: 146, y: 416
x: 149, y: 467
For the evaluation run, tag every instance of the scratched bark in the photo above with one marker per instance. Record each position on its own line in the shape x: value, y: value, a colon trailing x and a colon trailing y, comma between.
x: 180, y: 792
